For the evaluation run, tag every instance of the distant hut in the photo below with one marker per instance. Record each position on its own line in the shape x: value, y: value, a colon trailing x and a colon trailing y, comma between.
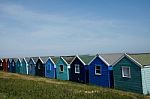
x: 79, y: 68
x: 63, y: 67
x: 40, y: 66
x: 5, y: 65
x: 24, y: 68
x: 1, y: 66
x: 31, y: 65
x: 13, y: 65
x: 18, y: 65
x: 50, y: 67
x: 100, y: 69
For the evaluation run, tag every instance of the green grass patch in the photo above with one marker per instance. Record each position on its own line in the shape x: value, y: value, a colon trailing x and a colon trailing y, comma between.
x: 15, y: 86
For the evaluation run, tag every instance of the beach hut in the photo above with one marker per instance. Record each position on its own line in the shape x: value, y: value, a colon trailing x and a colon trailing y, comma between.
x: 18, y: 65
x: 9, y: 63
x: 50, y: 67
x: 132, y: 73
x: 79, y: 68
x: 63, y: 67
x: 24, y: 68
x: 40, y: 66
x: 1, y: 66
x: 12, y: 67
x: 5, y: 65
x: 100, y: 69
x: 31, y: 65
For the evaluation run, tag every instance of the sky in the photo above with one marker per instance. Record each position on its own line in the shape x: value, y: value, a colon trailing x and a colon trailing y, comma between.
x: 70, y: 27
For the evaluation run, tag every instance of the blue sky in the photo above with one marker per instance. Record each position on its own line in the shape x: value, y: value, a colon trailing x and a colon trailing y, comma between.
x: 68, y: 27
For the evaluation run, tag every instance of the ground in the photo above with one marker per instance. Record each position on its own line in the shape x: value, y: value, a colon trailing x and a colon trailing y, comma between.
x: 16, y: 86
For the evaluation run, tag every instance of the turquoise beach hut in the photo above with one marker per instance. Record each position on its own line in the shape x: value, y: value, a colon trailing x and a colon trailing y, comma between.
x: 63, y: 67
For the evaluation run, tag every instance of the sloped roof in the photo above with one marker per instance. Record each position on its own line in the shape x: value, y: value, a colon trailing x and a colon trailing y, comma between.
x: 142, y: 58
x: 54, y: 59
x: 10, y: 59
x: 111, y: 58
x: 35, y: 59
x: 68, y: 59
x: 19, y: 59
x: 86, y: 58
x: 15, y: 59
x: 27, y: 59
x: 44, y: 58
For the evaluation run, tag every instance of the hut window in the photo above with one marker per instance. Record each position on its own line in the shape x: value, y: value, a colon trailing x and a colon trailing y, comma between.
x: 97, y: 70
x: 49, y: 67
x: 126, y: 72
x: 61, y: 68
x: 77, y: 68
x: 39, y: 66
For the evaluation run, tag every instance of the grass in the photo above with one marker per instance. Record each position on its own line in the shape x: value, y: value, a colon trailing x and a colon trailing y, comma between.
x: 15, y: 86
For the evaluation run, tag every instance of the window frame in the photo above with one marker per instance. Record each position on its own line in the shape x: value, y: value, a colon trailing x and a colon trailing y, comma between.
x: 60, y: 68
x: 123, y: 75
x: 100, y: 73
x: 49, y: 67
x: 77, y: 65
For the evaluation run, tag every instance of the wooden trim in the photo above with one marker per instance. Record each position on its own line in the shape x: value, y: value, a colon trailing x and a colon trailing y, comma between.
x: 60, y: 68
x: 76, y: 68
x: 100, y: 70
x: 123, y: 72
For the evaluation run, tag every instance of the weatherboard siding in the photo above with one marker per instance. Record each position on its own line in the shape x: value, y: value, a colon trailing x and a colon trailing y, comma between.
x: 8, y: 63
x: 100, y: 80
x: 133, y: 84
x: 62, y: 75
x: 40, y: 71
x: 5, y: 66
x: 24, y: 69
x: 12, y: 67
x: 77, y: 77
x: 49, y: 73
x: 18, y: 66
x: 146, y: 80
x: 31, y: 68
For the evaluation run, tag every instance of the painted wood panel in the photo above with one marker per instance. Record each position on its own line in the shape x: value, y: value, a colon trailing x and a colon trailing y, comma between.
x: 40, y: 68
x: 24, y: 68
x: 133, y: 84
x: 5, y: 65
x: 62, y: 75
x: 78, y: 77
x: 18, y: 66
x: 12, y: 66
x: 31, y: 67
x: 100, y: 80
x: 50, y: 69
x: 146, y: 80
x: 8, y: 63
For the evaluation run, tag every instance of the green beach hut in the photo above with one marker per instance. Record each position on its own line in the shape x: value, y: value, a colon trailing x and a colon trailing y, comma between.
x: 132, y: 73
